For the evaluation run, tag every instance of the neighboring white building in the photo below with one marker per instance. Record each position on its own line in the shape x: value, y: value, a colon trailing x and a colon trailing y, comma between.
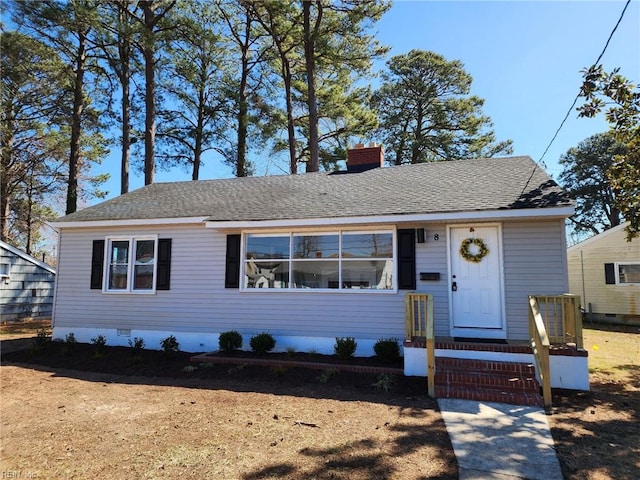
x: 605, y: 271
x: 26, y: 285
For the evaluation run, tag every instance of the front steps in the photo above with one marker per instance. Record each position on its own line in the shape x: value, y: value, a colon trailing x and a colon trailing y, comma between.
x: 488, y: 381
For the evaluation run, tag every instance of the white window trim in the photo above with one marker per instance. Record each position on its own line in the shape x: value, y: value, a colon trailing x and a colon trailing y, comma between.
x: 617, y: 272
x: 306, y: 231
x: 130, y: 265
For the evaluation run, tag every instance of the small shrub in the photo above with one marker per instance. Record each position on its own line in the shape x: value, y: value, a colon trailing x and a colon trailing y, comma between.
x: 170, y: 346
x: 387, y: 350
x: 326, y: 375
x: 41, y: 340
x: 291, y: 351
x: 229, y: 341
x: 345, y: 347
x: 237, y: 368
x: 100, y: 341
x: 69, y: 343
x: 189, y: 368
x: 385, y: 382
x: 262, y: 343
x: 137, y: 344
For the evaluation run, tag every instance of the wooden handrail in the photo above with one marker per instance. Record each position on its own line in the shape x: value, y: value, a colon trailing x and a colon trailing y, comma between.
x: 562, y: 318
x: 419, y: 323
x: 540, y: 346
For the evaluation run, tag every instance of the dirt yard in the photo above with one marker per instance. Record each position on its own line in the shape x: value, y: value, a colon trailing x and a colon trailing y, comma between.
x: 149, y: 417
x: 237, y: 423
x: 597, y: 433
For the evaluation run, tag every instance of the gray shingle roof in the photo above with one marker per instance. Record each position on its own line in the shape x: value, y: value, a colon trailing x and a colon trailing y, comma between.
x: 455, y: 186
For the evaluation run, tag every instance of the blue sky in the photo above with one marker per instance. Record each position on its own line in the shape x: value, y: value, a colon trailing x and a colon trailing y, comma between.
x: 525, y: 58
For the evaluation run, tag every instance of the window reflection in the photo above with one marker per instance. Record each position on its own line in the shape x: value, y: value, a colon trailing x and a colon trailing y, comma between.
x: 350, y: 260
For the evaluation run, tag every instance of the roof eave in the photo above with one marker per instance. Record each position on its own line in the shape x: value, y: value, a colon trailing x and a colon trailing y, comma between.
x: 483, y: 215
x: 126, y: 222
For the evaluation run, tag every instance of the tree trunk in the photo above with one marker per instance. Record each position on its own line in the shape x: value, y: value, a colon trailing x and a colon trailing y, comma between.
x: 124, y: 50
x: 291, y: 134
x: 415, y: 148
x: 309, y: 53
x: 5, y: 165
x: 243, y: 106
x: 150, y: 91
x: 197, y: 153
x: 126, y: 139
x: 76, y: 124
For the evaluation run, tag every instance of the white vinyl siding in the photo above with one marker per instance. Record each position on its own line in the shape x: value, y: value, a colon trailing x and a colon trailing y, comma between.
x: 198, y: 302
x: 534, y: 263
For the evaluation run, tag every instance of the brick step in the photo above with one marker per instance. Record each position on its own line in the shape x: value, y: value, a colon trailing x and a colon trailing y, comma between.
x: 487, y: 380
x: 483, y: 380
x: 489, y: 395
x: 485, y: 366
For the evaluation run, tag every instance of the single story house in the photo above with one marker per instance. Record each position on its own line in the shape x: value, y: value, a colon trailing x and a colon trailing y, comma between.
x: 605, y: 271
x: 312, y: 257
x: 26, y: 285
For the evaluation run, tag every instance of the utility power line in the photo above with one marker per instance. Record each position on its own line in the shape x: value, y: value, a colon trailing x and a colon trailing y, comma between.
x: 575, y: 100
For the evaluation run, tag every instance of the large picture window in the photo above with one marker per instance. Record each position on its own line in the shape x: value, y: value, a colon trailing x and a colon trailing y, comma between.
x: 347, y: 260
x: 131, y: 264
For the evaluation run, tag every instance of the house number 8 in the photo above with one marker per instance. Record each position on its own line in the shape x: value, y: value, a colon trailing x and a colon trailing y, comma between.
x: 436, y: 237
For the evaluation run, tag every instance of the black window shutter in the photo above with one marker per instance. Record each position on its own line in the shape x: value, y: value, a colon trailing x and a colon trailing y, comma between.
x: 407, y: 259
x: 609, y: 274
x: 97, y: 262
x: 164, y: 264
x: 232, y: 268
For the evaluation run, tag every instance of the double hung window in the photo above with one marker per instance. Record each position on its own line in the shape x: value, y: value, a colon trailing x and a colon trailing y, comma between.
x: 131, y: 264
x: 344, y: 260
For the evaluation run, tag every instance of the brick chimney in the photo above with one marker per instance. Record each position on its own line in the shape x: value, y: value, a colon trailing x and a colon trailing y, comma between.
x: 361, y: 158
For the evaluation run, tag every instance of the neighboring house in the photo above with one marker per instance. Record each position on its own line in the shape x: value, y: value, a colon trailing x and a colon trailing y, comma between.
x: 312, y: 257
x: 26, y: 285
x: 605, y: 271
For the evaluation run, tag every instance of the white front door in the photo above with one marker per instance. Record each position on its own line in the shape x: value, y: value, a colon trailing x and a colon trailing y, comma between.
x: 476, y: 286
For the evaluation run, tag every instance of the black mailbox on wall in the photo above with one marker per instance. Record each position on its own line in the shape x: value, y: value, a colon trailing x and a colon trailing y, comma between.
x: 429, y: 276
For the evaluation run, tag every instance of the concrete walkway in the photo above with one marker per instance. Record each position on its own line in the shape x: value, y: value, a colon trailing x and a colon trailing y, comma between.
x: 499, y: 441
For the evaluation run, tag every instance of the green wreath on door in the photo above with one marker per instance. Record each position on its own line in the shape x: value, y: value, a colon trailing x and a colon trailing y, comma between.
x: 483, y: 250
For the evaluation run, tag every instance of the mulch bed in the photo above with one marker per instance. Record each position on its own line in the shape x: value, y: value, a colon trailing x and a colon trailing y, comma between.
x: 152, y: 363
